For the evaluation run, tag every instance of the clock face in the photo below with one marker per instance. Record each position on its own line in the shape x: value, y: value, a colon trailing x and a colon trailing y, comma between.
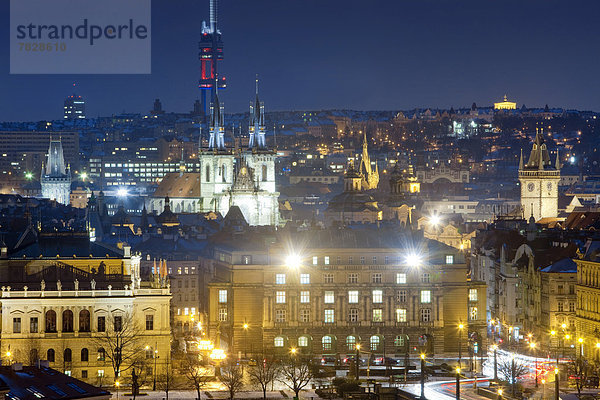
x: 549, y: 186
x: 531, y: 186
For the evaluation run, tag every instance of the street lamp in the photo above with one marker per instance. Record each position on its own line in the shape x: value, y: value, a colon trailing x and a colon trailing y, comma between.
x: 556, y: 377
x: 580, y: 340
x: 532, y: 347
x: 495, y: 347
x: 117, y: 384
x: 500, y: 391
x: 460, y: 329
x: 423, y: 376
x: 357, y: 361
x: 457, y: 383
x: 245, y: 326
x: 293, y: 261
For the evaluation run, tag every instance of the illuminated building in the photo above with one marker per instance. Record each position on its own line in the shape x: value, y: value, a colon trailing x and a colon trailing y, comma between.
x: 74, y: 107
x: 539, y: 182
x: 64, y: 292
x: 344, y: 287
x: 505, y: 105
x: 56, y: 176
x: 370, y: 176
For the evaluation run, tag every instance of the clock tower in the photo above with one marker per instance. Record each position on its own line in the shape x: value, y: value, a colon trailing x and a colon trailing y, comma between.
x: 539, y: 182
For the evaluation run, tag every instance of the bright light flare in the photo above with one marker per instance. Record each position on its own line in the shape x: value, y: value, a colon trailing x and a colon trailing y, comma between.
x: 435, y: 220
x: 122, y: 192
x: 293, y: 261
x: 413, y: 259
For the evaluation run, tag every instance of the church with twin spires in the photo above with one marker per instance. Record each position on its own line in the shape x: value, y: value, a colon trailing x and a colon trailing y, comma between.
x: 227, y: 178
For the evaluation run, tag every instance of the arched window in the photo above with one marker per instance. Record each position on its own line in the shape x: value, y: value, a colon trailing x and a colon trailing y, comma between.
x: 84, y: 321
x: 375, y: 341
x: 303, y: 341
x: 101, y: 354
x: 50, y: 321
x: 207, y: 173
x: 351, y: 342
x: 278, y: 341
x: 67, y: 355
x: 327, y: 342
x: 85, y: 355
x: 67, y: 322
x: 50, y: 355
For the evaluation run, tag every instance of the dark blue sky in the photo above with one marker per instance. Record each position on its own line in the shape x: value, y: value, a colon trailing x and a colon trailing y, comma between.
x: 364, y: 55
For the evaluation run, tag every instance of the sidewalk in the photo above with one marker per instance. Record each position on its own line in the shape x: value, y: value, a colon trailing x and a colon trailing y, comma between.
x: 189, y: 394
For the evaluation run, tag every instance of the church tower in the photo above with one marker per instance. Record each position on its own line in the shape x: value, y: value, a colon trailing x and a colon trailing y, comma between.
x: 56, y: 177
x: 539, y: 182
x: 216, y: 162
x: 370, y: 176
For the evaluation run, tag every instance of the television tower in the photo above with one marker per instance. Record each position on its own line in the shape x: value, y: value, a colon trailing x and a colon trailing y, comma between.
x: 211, y: 53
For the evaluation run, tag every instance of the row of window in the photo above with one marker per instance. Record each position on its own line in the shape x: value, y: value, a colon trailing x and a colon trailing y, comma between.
x: 353, y: 277
x: 68, y: 355
x: 326, y: 260
x: 353, y: 296
x: 353, y: 315
x: 67, y: 322
x: 327, y: 342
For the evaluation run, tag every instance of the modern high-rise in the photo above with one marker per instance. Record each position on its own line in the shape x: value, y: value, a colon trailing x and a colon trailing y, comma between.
x: 74, y: 107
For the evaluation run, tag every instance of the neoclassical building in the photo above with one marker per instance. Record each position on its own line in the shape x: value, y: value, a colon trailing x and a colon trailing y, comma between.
x: 64, y: 297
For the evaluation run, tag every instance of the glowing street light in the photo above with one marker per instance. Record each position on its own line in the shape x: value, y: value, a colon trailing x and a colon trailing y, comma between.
x: 122, y: 192
x: 460, y: 329
x: 293, y: 261
x: 423, y: 376
x: 205, y: 345
x: 413, y: 259
x: 28, y: 175
x: 83, y: 176
x: 434, y: 220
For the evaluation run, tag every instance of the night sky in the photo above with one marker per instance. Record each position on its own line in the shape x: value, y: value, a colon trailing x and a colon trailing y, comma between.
x: 364, y: 55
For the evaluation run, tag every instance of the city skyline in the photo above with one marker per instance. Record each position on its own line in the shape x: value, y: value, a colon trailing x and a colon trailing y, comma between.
x: 302, y: 52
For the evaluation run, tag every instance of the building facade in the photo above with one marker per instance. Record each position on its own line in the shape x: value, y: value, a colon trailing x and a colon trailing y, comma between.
x: 342, y: 289
x: 56, y: 176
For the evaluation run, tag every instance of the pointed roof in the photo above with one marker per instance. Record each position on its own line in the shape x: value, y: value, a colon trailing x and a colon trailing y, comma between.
x: 56, y: 160
x: 539, y: 158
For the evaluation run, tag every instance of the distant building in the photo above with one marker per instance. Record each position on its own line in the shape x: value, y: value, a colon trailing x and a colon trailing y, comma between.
x: 539, y: 182
x: 74, y: 107
x: 56, y: 176
x: 157, y: 108
x: 370, y: 176
x: 505, y: 105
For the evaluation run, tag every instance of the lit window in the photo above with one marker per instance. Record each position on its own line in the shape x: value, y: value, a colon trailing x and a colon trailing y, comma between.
x: 280, y: 279
x: 472, y: 294
x: 473, y: 313
x: 374, y: 341
x: 305, y: 279
x: 351, y: 342
x: 353, y: 296
x: 377, y: 315
x: 400, y: 278
x: 305, y: 296
x: 280, y: 297
x: 329, y: 316
x: 280, y: 315
x: 449, y: 259
x: 315, y: 260
x: 425, y: 296
x: 376, y: 278
x: 327, y: 342
x: 426, y: 315
x: 326, y: 261
x: 278, y: 341
x: 186, y: 311
x: 377, y: 296
x: 100, y: 373
x: 400, y: 314
x: 302, y: 341
x: 329, y: 297
x: 222, y: 296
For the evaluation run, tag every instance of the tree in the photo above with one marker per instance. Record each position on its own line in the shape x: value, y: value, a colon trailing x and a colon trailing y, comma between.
x: 296, y: 374
x: 511, y: 371
x: 139, y: 375
x: 120, y: 342
x: 165, y: 381
x: 232, y: 377
x: 263, y: 374
x: 195, y: 373
x: 579, y: 369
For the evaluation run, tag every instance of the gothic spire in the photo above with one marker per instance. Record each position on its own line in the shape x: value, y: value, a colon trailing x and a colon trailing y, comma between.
x: 521, y: 161
x: 557, y: 164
